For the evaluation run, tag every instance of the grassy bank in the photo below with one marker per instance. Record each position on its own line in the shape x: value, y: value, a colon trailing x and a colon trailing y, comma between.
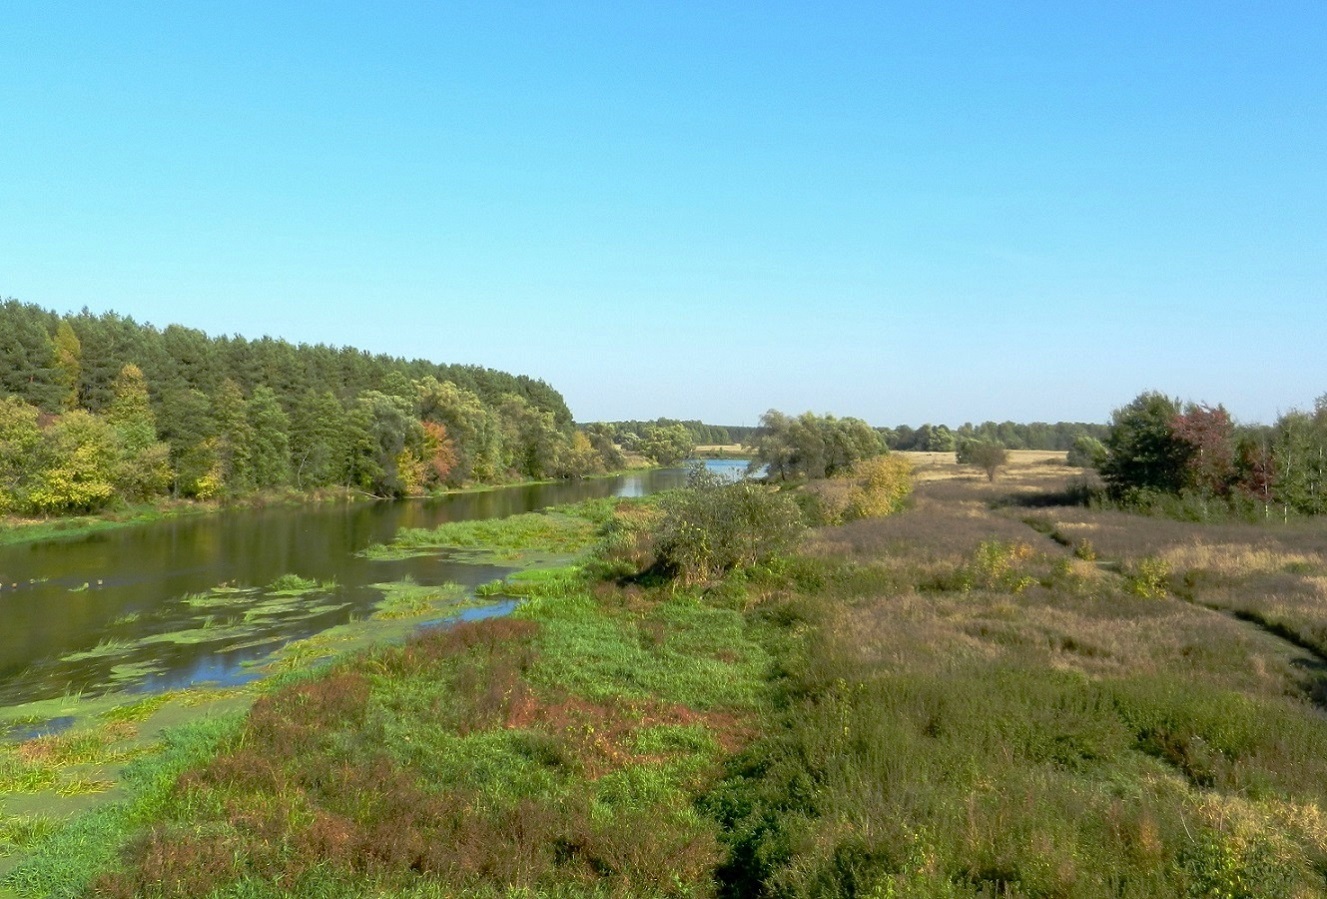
x: 990, y: 694
x: 14, y: 530
x: 31, y: 530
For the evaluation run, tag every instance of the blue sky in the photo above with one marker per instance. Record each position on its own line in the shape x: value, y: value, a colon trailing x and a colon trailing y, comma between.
x: 907, y: 213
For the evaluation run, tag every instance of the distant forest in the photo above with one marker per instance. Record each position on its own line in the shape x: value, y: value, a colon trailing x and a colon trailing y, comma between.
x: 1038, y: 435
x: 926, y: 438
x: 99, y: 408
x: 701, y: 434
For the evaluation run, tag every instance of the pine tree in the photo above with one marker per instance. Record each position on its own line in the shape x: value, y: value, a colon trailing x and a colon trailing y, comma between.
x: 270, y: 439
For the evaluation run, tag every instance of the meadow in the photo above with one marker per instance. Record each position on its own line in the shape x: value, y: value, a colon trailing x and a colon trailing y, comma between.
x: 996, y: 692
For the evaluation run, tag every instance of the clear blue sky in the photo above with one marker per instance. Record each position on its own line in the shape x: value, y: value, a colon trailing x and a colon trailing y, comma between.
x: 908, y: 213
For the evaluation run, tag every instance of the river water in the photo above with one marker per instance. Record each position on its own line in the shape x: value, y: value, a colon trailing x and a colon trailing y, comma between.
x: 71, y: 608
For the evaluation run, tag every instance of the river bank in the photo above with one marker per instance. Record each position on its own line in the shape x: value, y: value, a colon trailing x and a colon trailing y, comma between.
x: 17, y: 529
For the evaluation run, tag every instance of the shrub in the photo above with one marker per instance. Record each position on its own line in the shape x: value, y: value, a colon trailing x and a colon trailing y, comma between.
x: 714, y: 526
x: 883, y: 485
x: 989, y: 457
x: 998, y: 566
x: 872, y: 488
x: 1149, y: 578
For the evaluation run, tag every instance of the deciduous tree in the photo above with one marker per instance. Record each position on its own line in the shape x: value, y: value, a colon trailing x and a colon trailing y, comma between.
x: 77, y: 465
x: 1142, y: 449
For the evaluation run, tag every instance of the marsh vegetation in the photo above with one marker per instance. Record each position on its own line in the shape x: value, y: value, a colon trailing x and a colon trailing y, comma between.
x: 992, y: 692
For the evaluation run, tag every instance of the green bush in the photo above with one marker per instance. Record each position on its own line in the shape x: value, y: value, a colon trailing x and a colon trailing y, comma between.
x: 1149, y: 578
x: 714, y: 526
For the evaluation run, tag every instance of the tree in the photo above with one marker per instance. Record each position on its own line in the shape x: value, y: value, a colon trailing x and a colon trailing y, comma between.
x: 235, y: 438
x: 76, y: 468
x: 667, y: 445
x: 990, y: 457
x: 269, y: 429
x: 68, y: 366
x: 774, y: 448
x: 532, y: 443
x: 1086, y: 452
x: 20, y: 437
x: 439, y: 453
x: 142, y: 463
x: 1143, y: 453
x: 601, y: 437
x: 812, y: 446
x: 107, y: 343
x: 1209, y: 436
x: 318, y: 444
x: 848, y: 441
x: 472, y: 427
x: 27, y: 357
x: 1299, y: 454
x: 188, y: 427
x: 384, y: 428
x: 579, y: 457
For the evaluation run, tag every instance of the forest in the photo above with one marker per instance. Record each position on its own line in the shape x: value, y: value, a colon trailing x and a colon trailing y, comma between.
x: 99, y: 409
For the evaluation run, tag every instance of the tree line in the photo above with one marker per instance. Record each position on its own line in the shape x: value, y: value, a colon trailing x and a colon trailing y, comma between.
x: 1159, y: 449
x: 628, y: 433
x: 100, y: 408
x: 1037, y: 435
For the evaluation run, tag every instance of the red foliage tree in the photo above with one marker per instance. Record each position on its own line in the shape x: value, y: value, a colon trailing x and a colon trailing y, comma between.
x: 439, y: 451
x: 1210, y: 436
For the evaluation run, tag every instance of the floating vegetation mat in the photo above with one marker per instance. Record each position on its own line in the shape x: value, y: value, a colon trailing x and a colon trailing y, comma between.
x: 233, y: 618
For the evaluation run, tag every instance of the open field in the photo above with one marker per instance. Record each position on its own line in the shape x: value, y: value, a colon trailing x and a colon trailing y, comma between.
x: 722, y: 451
x: 1033, y: 466
x: 993, y: 693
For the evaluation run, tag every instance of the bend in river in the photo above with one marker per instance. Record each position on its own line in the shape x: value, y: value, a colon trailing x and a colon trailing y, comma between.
x: 121, y: 609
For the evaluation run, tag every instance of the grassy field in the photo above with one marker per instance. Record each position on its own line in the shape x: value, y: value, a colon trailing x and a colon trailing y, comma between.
x: 994, y: 693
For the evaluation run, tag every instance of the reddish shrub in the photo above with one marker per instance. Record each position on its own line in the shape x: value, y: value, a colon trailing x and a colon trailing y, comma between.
x: 176, y: 865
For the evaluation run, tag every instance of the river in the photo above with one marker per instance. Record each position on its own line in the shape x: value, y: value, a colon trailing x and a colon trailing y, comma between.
x: 69, y: 607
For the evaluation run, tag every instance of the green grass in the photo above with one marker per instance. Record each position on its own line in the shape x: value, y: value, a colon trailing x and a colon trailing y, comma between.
x: 680, y: 650
x: 66, y: 860
x: 22, y: 832
x: 567, y: 531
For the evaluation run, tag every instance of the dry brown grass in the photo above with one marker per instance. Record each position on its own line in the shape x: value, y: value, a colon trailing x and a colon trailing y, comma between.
x: 1239, y: 559
x: 951, y: 514
x: 1023, y: 464
x: 1079, y: 616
